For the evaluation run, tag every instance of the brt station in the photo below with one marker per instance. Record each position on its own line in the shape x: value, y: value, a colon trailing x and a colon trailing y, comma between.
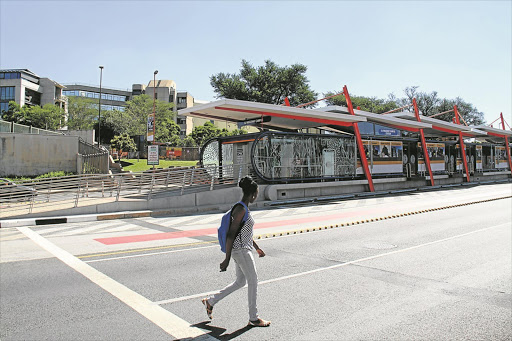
x: 338, y: 150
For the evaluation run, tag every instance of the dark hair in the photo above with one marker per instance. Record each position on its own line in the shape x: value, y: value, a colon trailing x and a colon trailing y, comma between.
x: 249, y: 186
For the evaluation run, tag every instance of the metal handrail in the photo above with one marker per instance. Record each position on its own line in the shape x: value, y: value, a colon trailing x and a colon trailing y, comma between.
x: 75, y: 190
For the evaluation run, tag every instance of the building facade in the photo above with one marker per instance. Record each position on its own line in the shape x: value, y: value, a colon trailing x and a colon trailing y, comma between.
x: 111, y: 99
x: 26, y: 88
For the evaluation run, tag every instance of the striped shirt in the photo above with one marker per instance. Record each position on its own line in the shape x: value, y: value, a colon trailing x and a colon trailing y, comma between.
x: 244, y: 239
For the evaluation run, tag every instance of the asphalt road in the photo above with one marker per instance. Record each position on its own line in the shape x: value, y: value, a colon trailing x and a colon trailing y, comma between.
x: 440, y: 269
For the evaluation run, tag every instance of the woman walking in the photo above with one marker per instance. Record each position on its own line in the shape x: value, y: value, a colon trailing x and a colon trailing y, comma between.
x: 239, y: 244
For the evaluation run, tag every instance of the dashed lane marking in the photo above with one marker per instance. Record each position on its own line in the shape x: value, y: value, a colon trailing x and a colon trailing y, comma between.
x: 167, y: 321
x: 204, y: 294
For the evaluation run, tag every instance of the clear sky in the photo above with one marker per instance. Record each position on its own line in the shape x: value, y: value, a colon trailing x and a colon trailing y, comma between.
x: 457, y: 48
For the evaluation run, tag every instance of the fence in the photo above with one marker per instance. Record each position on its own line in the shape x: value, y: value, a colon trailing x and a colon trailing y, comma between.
x: 72, y: 191
x: 11, y: 127
x: 91, y: 159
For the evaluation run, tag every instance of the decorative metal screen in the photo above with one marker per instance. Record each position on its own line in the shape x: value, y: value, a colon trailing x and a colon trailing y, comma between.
x: 279, y: 156
x: 210, y: 157
x: 227, y: 160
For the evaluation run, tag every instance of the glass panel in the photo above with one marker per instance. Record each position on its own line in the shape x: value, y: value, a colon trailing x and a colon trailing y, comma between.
x: 294, y: 156
x: 366, y: 128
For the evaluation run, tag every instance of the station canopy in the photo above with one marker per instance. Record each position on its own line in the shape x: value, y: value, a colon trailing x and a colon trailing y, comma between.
x: 440, y: 127
x: 494, y: 131
x: 270, y: 116
x: 386, y: 120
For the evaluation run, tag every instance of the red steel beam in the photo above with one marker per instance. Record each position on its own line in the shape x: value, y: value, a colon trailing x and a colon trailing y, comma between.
x: 461, y: 142
x: 293, y: 117
x: 317, y: 100
x: 359, y: 140
x: 450, y: 131
x: 395, y: 110
x: 423, y: 142
x: 506, y: 144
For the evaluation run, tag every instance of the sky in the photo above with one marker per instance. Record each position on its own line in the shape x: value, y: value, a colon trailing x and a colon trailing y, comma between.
x: 457, y: 48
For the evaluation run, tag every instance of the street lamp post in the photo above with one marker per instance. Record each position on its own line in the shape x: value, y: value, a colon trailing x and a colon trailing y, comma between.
x: 154, y: 110
x: 99, y: 110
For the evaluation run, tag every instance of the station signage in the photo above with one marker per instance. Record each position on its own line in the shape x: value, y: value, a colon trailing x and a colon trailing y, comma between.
x: 388, y: 132
x: 151, y: 129
x: 153, y: 158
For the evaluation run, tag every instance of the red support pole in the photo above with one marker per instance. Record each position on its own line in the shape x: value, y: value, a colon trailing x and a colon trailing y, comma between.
x: 507, y: 148
x: 461, y: 142
x: 359, y: 140
x: 423, y: 142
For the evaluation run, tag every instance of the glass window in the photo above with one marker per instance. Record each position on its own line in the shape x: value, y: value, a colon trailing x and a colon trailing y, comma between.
x: 376, y: 150
x: 2, y: 75
x: 4, y: 107
x: 396, y: 152
x: 366, y: 128
x: 7, y: 93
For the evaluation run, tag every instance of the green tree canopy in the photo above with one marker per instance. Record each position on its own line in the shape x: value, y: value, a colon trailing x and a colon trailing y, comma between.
x: 269, y: 83
x: 430, y: 104
x: 201, y: 134
x: 82, y: 113
x: 134, y: 119
x: 371, y: 104
x: 47, y: 117
x: 123, y: 142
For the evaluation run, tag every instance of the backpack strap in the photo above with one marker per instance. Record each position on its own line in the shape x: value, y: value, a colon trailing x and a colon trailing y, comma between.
x: 246, y: 216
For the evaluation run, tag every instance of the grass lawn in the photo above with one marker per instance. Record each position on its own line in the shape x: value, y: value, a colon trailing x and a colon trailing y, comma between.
x: 142, y: 165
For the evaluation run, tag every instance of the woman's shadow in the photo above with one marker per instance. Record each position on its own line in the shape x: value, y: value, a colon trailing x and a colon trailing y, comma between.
x: 218, y: 332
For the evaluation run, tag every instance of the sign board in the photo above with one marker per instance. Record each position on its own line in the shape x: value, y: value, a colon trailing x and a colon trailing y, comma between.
x: 153, y: 158
x: 151, y: 128
x: 388, y: 132
x: 173, y: 152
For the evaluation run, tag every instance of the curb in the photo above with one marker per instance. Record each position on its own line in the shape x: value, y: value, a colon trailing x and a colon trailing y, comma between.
x: 370, y: 220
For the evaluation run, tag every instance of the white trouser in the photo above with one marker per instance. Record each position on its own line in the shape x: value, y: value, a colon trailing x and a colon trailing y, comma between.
x: 245, y: 273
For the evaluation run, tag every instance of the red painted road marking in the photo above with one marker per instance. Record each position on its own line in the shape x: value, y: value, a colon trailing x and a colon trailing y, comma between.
x: 209, y: 231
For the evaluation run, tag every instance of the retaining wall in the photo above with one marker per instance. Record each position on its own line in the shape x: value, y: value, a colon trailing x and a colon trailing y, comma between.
x: 33, y: 154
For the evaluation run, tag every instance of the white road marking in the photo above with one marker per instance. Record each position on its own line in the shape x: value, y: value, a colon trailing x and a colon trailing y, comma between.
x: 204, y: 294
x: 163, y: 318
x: 149, y: 254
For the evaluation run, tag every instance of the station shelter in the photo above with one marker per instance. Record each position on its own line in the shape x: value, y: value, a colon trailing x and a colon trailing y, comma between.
x: 337, y: 143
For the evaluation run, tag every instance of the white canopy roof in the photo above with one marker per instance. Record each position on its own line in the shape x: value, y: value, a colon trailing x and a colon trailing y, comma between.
x: 274, y: 116
x: 378, y: 118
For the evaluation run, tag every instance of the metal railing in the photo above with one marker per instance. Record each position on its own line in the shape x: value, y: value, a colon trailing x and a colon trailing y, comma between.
x: 11, y: 127
x: 91, y: 159
x: 87, y: 189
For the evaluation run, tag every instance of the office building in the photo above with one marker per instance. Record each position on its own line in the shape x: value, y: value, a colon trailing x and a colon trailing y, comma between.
x: 26, y: 88
x: 111, y: 98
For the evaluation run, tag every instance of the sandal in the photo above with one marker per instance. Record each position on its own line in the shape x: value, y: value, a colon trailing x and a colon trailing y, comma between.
x: 209, y: 307
x: 259, y: 323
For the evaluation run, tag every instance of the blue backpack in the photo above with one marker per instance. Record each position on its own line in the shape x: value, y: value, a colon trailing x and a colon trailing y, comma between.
x: 222, y: 231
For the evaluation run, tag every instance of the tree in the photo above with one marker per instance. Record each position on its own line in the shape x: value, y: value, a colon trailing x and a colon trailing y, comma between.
x: 201, y: 134
x: 430, y: 104
x: 82, y: 113
x: 370, y: 104
x: 47, y: 117
x: 188, y: 142
x: 137, y: 112
x: 14, y: 113
x: 469, y: 113
x: 267, y: 84
x: 123, y: 142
